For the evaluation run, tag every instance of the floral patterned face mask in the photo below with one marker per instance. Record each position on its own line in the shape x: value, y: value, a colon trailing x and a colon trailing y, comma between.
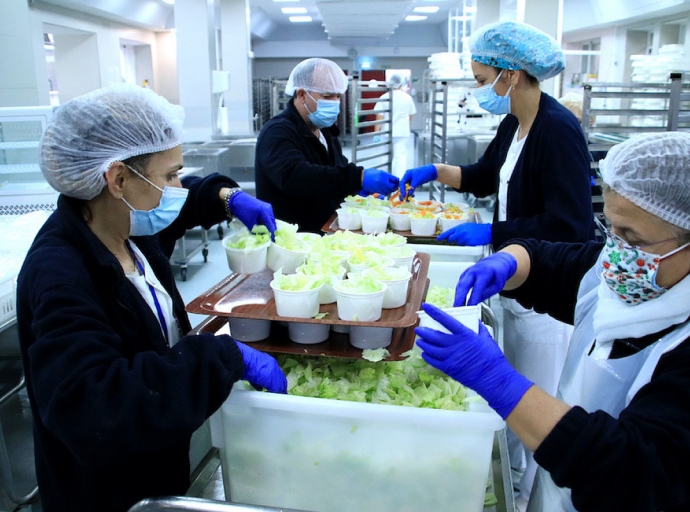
x: 631, y: 272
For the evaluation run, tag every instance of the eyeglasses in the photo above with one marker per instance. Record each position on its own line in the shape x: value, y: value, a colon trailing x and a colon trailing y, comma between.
x: 608, y: 233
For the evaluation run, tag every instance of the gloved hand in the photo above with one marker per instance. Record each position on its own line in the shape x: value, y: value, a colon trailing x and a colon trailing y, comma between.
x: 262, y: 370
x: 468, y: 233
x: 485, y: 278
x: 252, y: 211
x: 416, y: 177
x: 383, y: 182
x: 472, y: 359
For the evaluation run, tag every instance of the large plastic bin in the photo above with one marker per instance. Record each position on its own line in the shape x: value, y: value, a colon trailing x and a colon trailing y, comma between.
x: 330, y: 456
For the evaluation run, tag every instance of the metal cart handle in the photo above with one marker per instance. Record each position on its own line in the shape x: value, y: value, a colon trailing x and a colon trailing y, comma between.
x: 200, y: 505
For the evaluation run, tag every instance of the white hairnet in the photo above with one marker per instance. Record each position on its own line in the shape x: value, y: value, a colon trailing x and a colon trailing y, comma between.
x: 653, y: 172
x: 396, y: 81
x: 318, y: 75
x: 512, y: 45
x: 89, y: 133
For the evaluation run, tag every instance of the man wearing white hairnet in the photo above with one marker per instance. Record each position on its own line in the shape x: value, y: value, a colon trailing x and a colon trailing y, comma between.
x: 617, y: 435
x: 403, y: 110
x: 117, y: 387
x: 300, y: 168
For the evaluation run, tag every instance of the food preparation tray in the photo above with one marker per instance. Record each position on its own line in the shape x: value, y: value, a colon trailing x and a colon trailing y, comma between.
x: 337, y: 344
x: 250, y: 296
x: 331, y: 226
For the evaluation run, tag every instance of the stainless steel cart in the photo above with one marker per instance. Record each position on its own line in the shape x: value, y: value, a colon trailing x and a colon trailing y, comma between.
x: 194, y: 240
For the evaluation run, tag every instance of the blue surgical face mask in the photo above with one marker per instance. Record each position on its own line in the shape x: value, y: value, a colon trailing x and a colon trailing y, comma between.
x: 326, y: 113
x: 490, y: 101
x: 145, y: 223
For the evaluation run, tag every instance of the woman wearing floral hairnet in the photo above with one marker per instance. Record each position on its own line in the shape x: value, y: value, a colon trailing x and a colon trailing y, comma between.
x: 617, y: 437
x: 539, y: 165
x: 116, y: 387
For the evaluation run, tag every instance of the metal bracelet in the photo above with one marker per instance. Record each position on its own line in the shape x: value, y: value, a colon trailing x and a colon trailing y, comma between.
x: 228, y: 195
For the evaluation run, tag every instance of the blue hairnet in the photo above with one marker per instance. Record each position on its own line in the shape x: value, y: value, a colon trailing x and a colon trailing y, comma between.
x: 89, y: 133
x: 512, y: 45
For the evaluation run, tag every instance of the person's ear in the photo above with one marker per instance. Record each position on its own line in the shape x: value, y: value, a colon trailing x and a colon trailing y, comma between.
x: 115, y: 177
x: 301, y: 94
x: 513, y: 77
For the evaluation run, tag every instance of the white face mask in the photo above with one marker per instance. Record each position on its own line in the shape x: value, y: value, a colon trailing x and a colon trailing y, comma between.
x: 150, y: 222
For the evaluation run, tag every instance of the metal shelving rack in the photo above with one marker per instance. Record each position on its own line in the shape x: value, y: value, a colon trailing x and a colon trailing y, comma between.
x: 612, y: 112
x: 261, y: 99
x: 363, y: 143
x: 437, y: 122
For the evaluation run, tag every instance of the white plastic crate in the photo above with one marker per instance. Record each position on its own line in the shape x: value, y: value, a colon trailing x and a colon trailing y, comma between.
x: 338, y: 456
x: 8, y: 299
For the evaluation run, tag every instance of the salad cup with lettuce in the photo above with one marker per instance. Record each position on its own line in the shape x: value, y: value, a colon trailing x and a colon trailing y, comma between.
x: 247, y: 251
x: 397, y: 281
x: 359, y: 298
x: 296, y: 295
x: 288, y: 251
x: 326, y: 271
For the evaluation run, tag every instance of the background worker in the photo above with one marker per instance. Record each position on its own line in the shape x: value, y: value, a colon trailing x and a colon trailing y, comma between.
x: 403, y: 110
x: 116, y: 385
x: 300, y: 167
x: 617, y: 434
x: 539, y: 166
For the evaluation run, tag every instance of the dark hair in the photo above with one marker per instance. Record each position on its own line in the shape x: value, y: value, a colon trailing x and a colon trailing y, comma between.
x: 139, y: 162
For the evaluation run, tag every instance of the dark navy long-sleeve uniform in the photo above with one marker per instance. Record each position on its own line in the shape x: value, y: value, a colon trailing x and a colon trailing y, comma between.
x: 304, y: 182
x: 549, y: 192
x: 113, y: 407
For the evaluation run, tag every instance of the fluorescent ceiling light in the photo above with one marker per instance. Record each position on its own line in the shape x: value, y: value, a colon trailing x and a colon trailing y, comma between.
x: 412, y: 17
x: 169, y: 2
x: 431, y: 9
x: 300, y: 19
x: 294, y: 10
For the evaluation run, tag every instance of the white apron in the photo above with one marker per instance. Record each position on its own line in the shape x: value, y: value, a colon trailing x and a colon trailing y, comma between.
x: 584, y: 377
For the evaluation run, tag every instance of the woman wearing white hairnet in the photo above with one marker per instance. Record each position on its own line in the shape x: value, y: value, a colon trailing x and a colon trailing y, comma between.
x: 617, y: 437
x: 300, y: 168
x: 539, y: 166
x: 116, y: 387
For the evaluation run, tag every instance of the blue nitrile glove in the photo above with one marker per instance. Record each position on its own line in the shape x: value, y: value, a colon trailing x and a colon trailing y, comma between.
x: 416, y: 177
x: 252, y: 211
x: 474, y: 360
x: 376, y: 180
x: 262, y: 370
x: 485, y: 278
x: 468, y: 233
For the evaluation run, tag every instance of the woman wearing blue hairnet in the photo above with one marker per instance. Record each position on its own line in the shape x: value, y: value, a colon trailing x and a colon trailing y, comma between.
x: 617, y: 437
x: 116, y: 387
x: 539, y: 166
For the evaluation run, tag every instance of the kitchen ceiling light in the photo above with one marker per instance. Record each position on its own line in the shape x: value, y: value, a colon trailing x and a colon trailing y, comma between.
x: 300, y: 19
x: 294, y: 10
x: 431, y: 9
x: 169, y: 2
x: 412, y: 17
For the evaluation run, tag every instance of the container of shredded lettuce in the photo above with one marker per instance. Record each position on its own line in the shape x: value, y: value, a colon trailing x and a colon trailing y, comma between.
x: 362, y: 260
x: 423, y: 223
x: 440, y: 296
x: 326, y: 272
x: 348, y: 218
x: 397, y: 281
x: 247, y: 252
x: 359, y: 298
x: 390, y: 436
x: 288, y: 251
x: 374, y: 220
x: 296, y: 295
x: 390, y: 240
